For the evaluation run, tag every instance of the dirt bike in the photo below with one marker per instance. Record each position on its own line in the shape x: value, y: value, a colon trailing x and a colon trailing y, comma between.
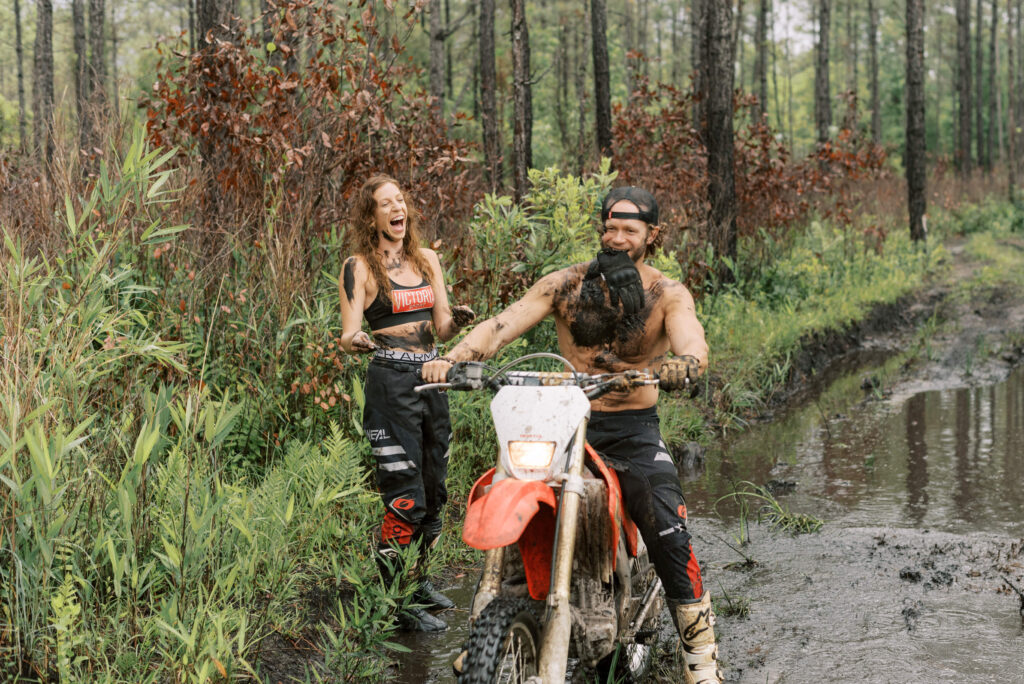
x: 565, y: 573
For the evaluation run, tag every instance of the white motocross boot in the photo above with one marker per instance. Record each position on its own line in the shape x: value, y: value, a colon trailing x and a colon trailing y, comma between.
x: 695, y: 623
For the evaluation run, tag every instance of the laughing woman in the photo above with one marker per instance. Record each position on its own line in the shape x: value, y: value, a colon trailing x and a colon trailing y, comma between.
x: 398, y: 288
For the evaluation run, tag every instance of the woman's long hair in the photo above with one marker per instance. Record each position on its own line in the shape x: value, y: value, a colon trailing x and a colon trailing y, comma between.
x: 365, y: 239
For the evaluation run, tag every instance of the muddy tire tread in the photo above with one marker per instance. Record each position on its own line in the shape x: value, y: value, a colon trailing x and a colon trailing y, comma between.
x: 486, y: 639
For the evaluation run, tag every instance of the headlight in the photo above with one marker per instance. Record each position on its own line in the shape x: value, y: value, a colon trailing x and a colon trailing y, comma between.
x: 531, y: 455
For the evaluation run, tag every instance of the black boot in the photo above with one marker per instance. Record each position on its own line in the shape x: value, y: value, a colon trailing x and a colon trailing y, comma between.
x: 429, y: 596
x: 411, y: 619
x: 426, y: 593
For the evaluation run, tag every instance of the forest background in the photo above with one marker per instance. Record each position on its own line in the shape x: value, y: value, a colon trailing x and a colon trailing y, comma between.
x: 183, y: 472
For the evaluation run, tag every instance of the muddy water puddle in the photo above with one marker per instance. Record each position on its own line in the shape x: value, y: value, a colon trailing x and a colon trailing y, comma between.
x: 922, y: 498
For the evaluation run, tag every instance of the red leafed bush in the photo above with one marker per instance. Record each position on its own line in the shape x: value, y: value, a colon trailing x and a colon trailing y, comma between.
x: 656, y: 144
x: 291, y: 132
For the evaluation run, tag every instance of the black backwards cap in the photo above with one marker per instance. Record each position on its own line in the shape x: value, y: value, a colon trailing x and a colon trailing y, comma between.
x: 641, y: 198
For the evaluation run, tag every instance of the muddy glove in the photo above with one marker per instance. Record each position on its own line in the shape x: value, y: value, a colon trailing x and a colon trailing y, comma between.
x: 462, y: 316
x: 675, y: 372
x: 624, y: 283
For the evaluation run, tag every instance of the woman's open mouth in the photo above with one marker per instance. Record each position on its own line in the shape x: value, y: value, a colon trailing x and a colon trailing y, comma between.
x: 398, y: 223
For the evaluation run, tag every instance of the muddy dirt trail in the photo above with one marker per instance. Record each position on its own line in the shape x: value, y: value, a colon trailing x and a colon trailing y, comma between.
x: 914, y: 574
x: 919, y: 484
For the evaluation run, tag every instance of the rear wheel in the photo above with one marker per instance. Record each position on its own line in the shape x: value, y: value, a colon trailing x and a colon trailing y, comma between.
x: 504, y: 644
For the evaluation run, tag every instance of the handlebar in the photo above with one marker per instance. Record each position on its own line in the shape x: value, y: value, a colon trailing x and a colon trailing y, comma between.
x: 472, y: 375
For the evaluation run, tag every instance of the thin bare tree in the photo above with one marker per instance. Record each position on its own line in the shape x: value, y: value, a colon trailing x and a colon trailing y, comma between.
x: 522, y: 97
x: 718, y: 67
x: 602, y: 76
x: 822, y: 91
x: 963, y: 86
x: 914, y: 158
x: 876, y: 105
x: 19, y: 57
x: 42, y: 80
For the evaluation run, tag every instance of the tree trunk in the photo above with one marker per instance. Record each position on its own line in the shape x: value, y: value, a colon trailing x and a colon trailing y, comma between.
x: 994, y: 110
x: 580, y: 85
x: 914, y: 159
x: 602, y: 80
x: 97, y: 70
x: 42, y: 80
x: 979, y: 90
x: 775, y: 69
x: 876, y: 104
x: 192, y: 42
x: 1011, y: 77
x: 629, y: 44
x: 81, y: 73
x: 761, y: 60
x: 114, y: 94
x: 850, y: 118
x: 488, y: 100
x: 675, y: 44
x: 522, y: 129
x: 963, y: 87
x: 562, y: 85
x: 718, y: 135
x: 697, y: 48
x: 449, y: 89
x: 436, y: 56
x: 216, y: 16
x: 19, y: 56
x: 738, y: 44
x: 822, y: 97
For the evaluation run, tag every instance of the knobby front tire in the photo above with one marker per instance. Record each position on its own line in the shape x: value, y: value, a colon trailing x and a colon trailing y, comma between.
x: 504, y: 644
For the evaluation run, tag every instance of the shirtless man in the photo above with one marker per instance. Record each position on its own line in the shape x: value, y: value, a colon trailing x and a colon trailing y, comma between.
x: 612, y: 314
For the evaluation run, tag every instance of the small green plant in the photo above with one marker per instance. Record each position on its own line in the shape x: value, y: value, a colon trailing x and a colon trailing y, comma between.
x: 770, y: 510
x: 731, y: 606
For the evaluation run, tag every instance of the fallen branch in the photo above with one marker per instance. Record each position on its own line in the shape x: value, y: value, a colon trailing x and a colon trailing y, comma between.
x: 1020, y: 594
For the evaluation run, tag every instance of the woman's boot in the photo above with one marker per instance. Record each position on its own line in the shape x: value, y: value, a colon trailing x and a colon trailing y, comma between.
x: 412, y: 619
x: 426, y: 593
x: 695, y: 623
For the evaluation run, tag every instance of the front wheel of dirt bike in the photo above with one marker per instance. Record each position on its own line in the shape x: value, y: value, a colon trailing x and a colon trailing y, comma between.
x: 504, y: 644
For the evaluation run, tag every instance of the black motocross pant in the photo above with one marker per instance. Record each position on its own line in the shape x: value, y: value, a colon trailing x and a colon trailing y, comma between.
x: 630, y: 443
x: 409, y: 433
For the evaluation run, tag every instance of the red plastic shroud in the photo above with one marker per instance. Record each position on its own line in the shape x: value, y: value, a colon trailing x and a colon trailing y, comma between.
x: 524, y: 511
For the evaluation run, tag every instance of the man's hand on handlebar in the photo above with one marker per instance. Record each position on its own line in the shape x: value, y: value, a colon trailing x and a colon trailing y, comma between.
x: 678, y: 372
x: 436, y: 370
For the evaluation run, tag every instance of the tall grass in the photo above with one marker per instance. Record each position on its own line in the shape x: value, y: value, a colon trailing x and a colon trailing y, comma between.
x: 132, y: 549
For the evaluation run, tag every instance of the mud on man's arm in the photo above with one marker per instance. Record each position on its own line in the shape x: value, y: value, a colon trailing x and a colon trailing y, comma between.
x: 487, y: 339
x: 685, y: 332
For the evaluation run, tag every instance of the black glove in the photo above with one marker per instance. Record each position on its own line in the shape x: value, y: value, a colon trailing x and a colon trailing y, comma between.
x: 624, y: 283
x: 675, y: 372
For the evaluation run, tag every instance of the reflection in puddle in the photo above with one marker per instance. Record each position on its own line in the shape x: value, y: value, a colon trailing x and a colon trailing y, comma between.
x: 949, y: 460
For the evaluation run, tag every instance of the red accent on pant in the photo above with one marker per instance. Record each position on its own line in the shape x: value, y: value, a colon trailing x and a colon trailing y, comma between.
x: 398, y: 531
x: 693, y: 572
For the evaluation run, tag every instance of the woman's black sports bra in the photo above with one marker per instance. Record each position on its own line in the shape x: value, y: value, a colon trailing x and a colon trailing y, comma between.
x: 408, y: 303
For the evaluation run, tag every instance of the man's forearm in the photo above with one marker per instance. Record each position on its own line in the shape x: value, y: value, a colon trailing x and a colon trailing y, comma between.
x: 482, y: 343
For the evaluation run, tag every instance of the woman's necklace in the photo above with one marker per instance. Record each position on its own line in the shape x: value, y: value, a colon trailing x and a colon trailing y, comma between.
x: 392, y: 261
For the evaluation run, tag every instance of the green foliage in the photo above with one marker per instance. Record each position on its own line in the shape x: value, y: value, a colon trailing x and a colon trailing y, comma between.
x: 769, y: 509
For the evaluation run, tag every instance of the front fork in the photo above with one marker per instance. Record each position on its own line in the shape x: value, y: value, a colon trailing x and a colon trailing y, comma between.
x: 554, y: 650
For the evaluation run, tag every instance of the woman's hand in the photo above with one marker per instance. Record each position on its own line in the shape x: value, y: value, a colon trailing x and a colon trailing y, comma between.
x: 462, y: 316
x: 361, y: 342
